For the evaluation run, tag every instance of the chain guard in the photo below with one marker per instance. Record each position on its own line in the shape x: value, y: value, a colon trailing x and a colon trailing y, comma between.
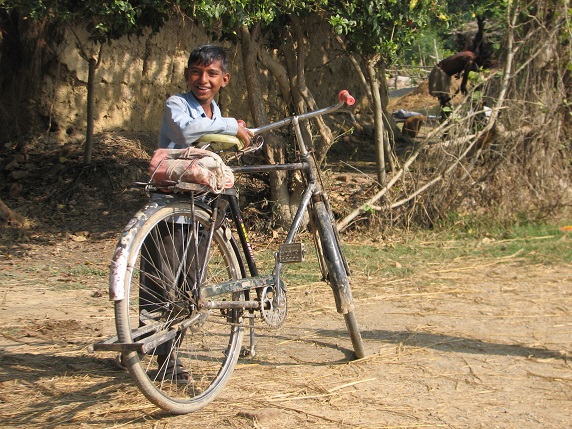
x: 274, y: 306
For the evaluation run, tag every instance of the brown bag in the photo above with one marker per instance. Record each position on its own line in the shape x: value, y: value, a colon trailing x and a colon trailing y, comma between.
x: 191, y: 165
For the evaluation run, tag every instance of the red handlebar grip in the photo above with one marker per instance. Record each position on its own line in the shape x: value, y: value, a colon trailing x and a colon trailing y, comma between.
x: 346, y: 97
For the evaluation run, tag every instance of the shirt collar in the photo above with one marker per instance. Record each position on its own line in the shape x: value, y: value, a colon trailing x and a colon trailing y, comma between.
x: 200, y: 108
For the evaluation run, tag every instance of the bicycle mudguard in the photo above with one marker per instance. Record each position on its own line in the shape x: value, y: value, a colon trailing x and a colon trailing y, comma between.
x: 119, y: 261
x: 337, y: 276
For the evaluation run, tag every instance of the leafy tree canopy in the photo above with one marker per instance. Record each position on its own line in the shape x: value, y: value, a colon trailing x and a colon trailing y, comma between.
x: 384, y: 28
x: 467, y: 10
x: 105, y: 20
x: 225, y: 17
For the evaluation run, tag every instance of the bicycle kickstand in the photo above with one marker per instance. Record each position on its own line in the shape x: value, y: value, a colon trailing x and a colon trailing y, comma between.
x: 250, y: 351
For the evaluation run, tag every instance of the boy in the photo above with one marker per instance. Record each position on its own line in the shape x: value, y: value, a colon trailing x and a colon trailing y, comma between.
x: 189, y: 115
x: 186, y: 117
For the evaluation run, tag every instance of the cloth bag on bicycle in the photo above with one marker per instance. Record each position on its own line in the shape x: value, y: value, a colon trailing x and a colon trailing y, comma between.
x: 191, y: 165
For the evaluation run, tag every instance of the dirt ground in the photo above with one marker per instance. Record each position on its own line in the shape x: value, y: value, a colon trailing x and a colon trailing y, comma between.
x: 469, y: 344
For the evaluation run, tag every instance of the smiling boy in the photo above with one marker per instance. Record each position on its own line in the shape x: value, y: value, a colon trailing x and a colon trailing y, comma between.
x: 187, y: 116
x: 190, y: 115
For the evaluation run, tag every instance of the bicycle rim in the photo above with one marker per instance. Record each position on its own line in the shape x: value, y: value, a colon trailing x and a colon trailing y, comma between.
x: 187, y: 372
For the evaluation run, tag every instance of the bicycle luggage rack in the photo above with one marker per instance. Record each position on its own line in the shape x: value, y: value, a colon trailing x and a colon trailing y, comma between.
x: 144, y: 340
x: 143, y: 345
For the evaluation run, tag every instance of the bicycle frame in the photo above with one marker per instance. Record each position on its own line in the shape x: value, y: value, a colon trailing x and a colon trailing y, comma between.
x: 332, y: 261
x: 181, y: 288
x: 311, y: 194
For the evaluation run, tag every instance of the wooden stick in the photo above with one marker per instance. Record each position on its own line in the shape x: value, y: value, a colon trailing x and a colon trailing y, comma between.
x: 343, y: 386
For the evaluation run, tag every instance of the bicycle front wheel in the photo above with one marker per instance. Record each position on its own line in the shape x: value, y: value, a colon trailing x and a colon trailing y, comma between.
x: 190, y: 352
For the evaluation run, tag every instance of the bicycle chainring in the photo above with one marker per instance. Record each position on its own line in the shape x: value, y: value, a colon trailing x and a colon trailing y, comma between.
x: 274, y: 306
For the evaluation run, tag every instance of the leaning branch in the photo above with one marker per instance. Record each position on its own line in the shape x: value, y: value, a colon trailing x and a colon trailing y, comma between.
x: 369, y: 204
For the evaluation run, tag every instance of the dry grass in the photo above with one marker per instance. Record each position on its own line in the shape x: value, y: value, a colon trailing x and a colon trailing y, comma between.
x: 469, y: 333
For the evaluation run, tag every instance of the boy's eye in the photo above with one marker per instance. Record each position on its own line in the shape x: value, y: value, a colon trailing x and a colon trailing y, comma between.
x: 198, y: 72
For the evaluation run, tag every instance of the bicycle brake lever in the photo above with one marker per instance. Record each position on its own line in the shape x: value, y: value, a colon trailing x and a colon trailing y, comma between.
x: 349, y: 112
x: 259, y: 140
x: 256, y: 143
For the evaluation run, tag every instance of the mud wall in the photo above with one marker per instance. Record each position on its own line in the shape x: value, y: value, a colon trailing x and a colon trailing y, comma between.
x: 137, y: 74
x: 133, y: 80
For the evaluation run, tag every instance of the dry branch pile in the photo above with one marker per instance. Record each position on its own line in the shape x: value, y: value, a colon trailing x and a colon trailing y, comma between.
x: 506, y: 148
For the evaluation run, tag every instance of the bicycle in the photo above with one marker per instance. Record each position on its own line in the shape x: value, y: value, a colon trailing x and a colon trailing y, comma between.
x: 180, y: 282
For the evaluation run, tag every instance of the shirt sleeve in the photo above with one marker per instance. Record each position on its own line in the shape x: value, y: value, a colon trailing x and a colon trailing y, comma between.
x: 183, y: 124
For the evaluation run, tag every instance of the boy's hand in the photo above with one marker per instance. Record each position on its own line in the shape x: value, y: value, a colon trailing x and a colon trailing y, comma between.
x: 244, y: 133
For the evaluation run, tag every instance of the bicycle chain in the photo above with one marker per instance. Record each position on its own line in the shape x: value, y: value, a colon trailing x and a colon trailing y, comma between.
x: 241, y: 325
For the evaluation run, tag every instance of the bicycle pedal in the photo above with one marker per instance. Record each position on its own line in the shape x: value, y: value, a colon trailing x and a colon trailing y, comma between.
x: 292, y: 252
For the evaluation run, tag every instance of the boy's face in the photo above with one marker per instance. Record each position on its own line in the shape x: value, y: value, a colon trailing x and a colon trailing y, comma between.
x: 205, y: 81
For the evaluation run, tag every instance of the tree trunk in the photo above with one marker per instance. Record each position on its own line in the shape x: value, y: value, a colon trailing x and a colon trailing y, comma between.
x: 89, y: 120
x: 384, y: 127
x: 280, y: 74
x: 93, y: 64
x: 390, y: 126
x: 377, y: 121
x: 291, y: 78
x: 308, y: 100
x: 357, y: 67
x: 274, y: 147
x: 293, y: 53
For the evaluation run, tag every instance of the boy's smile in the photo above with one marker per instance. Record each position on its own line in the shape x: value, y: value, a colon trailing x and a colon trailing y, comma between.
x: 204, y: 81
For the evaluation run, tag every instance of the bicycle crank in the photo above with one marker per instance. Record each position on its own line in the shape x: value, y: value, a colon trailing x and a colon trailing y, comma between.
x: 273, y: 306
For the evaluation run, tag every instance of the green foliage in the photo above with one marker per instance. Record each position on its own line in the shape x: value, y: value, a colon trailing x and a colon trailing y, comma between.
x: 368, y: 210
x: 409, y: 254
x: 383, y: 28
x: 461, y: 12
x: 371, y: 27
x: 467, y: 11
x: 241, y: 12
x: 104, y: 20
x: 422, y: 51
x: 443, y: 28
x: 223, y: 19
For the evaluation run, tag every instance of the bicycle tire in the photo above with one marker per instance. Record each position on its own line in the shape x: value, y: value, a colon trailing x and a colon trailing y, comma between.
x: 338, y: 277
x: 207, y: 351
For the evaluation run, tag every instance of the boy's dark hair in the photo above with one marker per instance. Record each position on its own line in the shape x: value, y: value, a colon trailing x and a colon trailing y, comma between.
x: 206, y: 54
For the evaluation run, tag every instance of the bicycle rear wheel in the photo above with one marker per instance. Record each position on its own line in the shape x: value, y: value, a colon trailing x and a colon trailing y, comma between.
x: 337, y: 275
x: 166, y: 249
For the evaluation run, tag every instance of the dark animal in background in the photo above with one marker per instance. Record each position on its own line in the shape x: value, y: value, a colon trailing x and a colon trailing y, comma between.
x: 412, y: 125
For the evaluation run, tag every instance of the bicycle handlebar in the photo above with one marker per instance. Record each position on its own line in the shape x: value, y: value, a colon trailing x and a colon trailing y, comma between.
x: 344, y: 96
x: 222, y: 142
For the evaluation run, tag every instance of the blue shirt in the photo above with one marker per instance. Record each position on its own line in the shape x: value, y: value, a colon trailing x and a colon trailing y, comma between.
x: 184, y: 121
